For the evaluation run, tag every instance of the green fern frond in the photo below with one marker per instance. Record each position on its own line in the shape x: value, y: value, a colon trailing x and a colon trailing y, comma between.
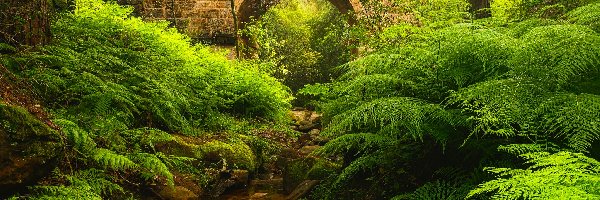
x: 562, y: 175
x: 557, y: 55
x: 359, y: 143
x: 97, y: 181
x: 586, y: 15
x: 77, y: 136
x: 111, y: 160
x: 404, y: 114
x: 152, y: 166
x: 437, y: 190
x: 63, y: 192
x: 497, y: 105
x: 573, y: 118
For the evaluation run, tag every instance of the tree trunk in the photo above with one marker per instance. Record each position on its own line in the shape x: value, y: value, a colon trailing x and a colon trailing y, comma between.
x: 25, y: 22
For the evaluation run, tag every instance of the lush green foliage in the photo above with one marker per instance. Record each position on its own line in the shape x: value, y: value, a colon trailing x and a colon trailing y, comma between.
x: 119, y: 87
x: 458, y: 94
x: 562, y: 175
x: 302, y: 39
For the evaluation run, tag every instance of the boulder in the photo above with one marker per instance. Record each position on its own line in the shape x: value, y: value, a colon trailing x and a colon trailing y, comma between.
x: 306, y: 150
x: 303, y: 189
x: 176, y: 193
x: 309, y: 168
x: 29, y: 149
x: 295, y: 172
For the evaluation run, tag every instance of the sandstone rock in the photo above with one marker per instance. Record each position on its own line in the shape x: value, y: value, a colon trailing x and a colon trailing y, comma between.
x: 305, y: 150
x: 303, y: 189
x: 241, y: 177
x: 307, y: 127
x: 28, y: 148
x: 176, y: 193
x: 295, y: 172
x: 259, y: 195
x: 304, y: 139
x: 314, y: 132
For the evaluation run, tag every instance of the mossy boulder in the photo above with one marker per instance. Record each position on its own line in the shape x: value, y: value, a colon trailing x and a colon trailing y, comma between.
x: 28, y: 148
x: 237, y: 155
x: 309, y: 168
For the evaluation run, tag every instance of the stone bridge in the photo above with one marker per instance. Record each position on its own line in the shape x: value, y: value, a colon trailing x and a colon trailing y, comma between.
x: 212, y: 21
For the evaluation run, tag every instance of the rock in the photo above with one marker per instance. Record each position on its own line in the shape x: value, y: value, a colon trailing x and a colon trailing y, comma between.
x: 241, y: 177
x: 295, y: 172
x: 304, y: 139
x: 309, y: 168
x: 176, y: 193
x: 307, y: 127
x: 298, y: 109
x: 235, y: 153
x: 315, y: 118
x: 259, y: 195
x: 29, y: 149
x: 266, y: 185
x: 314, y: 132
x: 303, y: 189
x: 305, y: 150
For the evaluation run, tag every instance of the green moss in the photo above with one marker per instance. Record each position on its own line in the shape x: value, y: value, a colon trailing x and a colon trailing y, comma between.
x: 322, y: 169
x: 28, y: 147
x: 236, y: 154
x: 20, y: 126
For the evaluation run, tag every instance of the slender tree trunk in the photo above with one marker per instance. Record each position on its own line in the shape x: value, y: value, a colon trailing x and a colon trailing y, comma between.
x: 235, y: 29
x: 25, y: 22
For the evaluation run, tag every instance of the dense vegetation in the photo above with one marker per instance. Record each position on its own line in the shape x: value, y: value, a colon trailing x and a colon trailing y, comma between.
x: 420, y: 100
x: 512, y: 95
x: 117, y: 86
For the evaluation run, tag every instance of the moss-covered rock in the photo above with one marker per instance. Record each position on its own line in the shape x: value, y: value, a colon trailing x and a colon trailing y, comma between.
x: 237, y: 155
x: 309, y: 168
x: 28, y: 148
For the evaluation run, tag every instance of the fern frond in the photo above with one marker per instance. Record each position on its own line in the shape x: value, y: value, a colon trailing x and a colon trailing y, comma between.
x: 557, y: 55
x: 573, y: 118
x: 97, y: 181
x: 437, y: 190
x: 562, y: 175
x: 152, y: 166
x: 77, y: 136
x: 588, y: 15
x: 111, y: 160
x: 403, y: 114
x: 359, y: 143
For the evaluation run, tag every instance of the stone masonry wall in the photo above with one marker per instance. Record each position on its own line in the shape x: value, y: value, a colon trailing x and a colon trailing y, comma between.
x: 211, y: 21
x: 204, y: 20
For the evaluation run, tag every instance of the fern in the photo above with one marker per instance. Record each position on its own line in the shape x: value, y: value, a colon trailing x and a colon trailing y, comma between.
x: 151, y: 165
x: 557, y: 55
x: 389, y: 116
x: 77, y: 136
x: 586, y: 15
x: 359, y: 143
x: 563, y: 175
x: 111, y: 160
x: 437, y: 190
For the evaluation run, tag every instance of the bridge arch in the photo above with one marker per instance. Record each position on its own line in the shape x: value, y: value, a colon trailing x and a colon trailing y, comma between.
x: 248, y: 9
